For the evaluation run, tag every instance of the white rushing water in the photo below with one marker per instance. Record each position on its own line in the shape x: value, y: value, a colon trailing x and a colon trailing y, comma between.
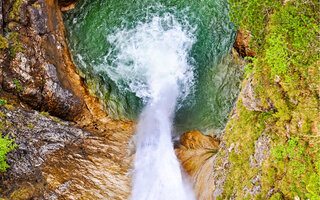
x: 152, y: 61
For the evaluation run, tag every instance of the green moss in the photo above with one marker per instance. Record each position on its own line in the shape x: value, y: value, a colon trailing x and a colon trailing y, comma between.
x: 6, y: 145
x: 276, y: 196
x: 3, y: 43
x: 23, y: 193
x: 313, y: 187
x: 46, y: 114
x: 15, y: 11
x: 37, y: 6
x: 2, y: 115
x: 286, y: 73
x: 15, y: 45
x: 244, y: 129
x: 9, y: 107
x: 30, y: 126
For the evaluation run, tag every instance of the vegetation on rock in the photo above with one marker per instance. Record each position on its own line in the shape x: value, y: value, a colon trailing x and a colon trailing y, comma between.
x: 6, y: 144
x: 15, y: 12
x: 285, y: 37
x: 15, y: 45
x: 3, y: 43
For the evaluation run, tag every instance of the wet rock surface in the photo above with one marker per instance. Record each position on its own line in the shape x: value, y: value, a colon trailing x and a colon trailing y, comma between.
x: 198, y: 155
x: 37, y: 136
x: 56, y: 160
x: 251, y: 100
x: 67, y: 4
x: 37, y: 66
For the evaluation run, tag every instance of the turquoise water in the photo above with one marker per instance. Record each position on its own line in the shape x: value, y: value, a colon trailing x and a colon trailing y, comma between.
x: 97, y: 32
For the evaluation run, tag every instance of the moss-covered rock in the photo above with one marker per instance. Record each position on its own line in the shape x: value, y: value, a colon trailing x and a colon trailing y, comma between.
x: 3, y: 43
x: 283, y: 103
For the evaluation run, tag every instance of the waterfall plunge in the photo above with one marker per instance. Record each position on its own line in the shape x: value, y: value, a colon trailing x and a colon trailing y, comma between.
x: 152, y: 61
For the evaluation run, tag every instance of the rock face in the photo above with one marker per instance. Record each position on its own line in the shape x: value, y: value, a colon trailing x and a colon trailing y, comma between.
x: 55, y: 160
x: 251, y: 100
x: 249, y: 97
x: 197, y: 154
x: 262, y: 152
x: 37, y: 137
x: 37, y: 68
x: 242, y: 44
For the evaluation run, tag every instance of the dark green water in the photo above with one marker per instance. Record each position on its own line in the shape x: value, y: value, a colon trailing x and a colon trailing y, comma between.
x: 216, y: 77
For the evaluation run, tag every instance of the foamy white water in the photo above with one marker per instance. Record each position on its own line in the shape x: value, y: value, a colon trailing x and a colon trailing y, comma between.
x: 152, y: 60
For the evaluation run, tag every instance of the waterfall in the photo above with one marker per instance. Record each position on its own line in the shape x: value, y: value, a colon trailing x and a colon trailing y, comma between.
x: 163, y: 63
x: 98, y: 32
x: 153, y: 60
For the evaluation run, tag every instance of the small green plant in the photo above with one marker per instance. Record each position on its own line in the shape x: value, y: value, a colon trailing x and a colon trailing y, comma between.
x: 3, y: 102
x: 18, y: 86
x: 6, y: 145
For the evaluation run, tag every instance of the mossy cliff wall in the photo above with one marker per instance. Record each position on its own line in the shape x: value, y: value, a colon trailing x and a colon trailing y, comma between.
x: 270, y: 146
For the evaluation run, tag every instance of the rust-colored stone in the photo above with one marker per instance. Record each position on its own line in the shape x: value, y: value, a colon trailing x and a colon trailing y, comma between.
x: 67, y: 4
x: 242, y: 44
x: 196, y: 140
x: 196, y: 153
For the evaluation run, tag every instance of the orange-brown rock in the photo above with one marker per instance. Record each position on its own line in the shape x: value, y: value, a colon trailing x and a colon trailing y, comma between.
x: 40, y: 73
x: 196, y: 153
x: 95, y: 168
x: 242, y: 44
x: 67, y: 4
x: 196, y: 140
